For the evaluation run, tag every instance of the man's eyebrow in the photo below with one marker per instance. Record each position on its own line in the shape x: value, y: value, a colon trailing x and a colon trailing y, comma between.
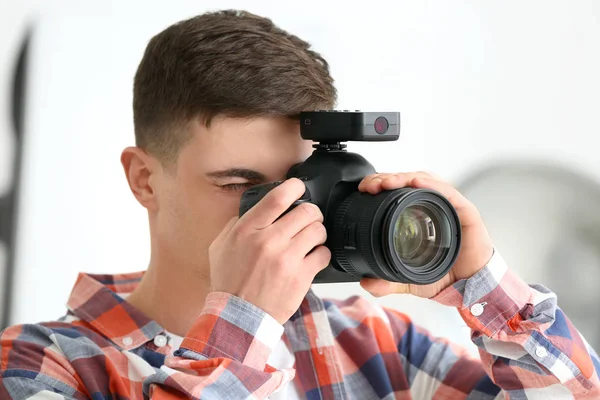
x: 244, y: 173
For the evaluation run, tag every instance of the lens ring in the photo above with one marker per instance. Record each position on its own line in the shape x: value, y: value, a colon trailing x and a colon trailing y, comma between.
x: 438, y: 265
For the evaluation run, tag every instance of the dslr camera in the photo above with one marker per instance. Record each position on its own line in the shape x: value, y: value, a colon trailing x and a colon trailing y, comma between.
x: 406, y: 235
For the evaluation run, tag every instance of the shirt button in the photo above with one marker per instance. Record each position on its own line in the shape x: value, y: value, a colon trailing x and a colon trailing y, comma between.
x: 541, y: 352
x: 160, y: 341
x: 477, y: 309
x: 127, y: 341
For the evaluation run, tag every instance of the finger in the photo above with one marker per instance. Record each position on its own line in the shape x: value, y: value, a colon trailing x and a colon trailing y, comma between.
x: 318, y: 259
x: 380, y: 182
x: 308, y: 238
x: 372, y: 183
x: 380, y: 287
x: 400, y: 180
x: 275, y: 203
x: 374, y: 186
x: 368, y: 179
x: 296, y: 220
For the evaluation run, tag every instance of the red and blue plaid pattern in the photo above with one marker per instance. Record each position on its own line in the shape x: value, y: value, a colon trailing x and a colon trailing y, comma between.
x: 352, y: 349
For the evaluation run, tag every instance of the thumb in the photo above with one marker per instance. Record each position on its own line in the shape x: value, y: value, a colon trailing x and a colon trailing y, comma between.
x: 380, y: 287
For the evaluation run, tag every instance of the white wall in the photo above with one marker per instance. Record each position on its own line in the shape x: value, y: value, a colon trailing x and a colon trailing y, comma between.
x: 475, y: 81
x: 13, y: 19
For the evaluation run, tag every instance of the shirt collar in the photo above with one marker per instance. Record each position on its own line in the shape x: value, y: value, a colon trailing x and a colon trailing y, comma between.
x: 99, y: 301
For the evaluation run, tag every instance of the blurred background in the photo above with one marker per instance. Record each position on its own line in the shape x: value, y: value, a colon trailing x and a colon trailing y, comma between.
x: 501, y: 98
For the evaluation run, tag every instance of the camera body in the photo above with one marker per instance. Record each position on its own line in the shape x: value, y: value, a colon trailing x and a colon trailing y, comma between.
x: 329, y: 177
x: 362, y: 229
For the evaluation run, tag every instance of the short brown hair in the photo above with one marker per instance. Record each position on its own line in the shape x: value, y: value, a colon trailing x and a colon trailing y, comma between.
x: 229, y: 62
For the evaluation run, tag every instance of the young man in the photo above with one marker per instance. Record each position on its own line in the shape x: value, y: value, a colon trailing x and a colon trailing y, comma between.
x: 224, y: 310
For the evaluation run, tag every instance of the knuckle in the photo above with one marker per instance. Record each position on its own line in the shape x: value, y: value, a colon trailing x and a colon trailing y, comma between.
x: 304, y: 208
x: 310, y: 210
x: 367, y: 179
x: 239, y: 233
x: 276, y: 270
x: 319, y: 229
x: 238, y: 228
x: 280, y: 260
x: 319, y: 226
x: 266, y: 246
x: 318, y: 212
x: 279, y: 200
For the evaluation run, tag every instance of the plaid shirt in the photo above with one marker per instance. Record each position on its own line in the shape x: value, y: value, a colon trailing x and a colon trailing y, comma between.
x: 352, y: 349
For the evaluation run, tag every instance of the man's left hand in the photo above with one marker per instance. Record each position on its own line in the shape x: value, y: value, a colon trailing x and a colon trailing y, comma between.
x: 476, y: 246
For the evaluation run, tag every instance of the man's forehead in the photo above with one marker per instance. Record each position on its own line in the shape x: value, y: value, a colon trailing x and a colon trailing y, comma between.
x: 268, y: 146
x: 236, y: 137
x: 228, y: 127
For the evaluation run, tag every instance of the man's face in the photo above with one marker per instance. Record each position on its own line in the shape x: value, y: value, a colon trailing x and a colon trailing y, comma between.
x: 213, y: 170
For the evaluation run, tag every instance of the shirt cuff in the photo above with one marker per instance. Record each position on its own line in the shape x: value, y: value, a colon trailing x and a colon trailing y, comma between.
x: 491, y: 299
x: 233, y: 328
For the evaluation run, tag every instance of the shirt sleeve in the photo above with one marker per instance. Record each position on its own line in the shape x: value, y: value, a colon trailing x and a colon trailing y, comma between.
x: 528, y: 346
x: 222, y: 356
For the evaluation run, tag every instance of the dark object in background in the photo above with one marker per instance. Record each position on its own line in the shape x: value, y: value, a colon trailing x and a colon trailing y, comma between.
x: 10, y: 201
x: 406, y: 235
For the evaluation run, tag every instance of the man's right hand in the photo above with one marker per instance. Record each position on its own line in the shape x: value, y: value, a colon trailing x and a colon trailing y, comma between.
x: 266, y: 261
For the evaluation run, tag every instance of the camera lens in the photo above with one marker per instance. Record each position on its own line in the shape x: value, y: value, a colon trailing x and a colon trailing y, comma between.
x: 381, y: 125
x: 406, y: 235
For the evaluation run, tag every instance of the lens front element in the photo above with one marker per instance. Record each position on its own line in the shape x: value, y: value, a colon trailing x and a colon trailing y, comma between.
x: 420, y: 235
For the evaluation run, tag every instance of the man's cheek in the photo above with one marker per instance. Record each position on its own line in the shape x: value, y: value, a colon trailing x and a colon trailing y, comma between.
x: 217, y: 215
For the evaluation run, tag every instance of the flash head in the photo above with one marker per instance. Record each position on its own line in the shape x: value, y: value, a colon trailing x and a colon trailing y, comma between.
x: 334, y: 126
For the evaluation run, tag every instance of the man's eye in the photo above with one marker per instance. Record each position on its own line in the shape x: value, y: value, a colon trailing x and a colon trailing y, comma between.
x: 237, y: 186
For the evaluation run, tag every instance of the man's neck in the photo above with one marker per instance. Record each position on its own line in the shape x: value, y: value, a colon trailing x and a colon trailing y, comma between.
x: 172, y: 295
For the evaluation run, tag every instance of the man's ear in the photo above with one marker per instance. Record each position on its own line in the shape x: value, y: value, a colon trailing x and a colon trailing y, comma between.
x: 139, y: 169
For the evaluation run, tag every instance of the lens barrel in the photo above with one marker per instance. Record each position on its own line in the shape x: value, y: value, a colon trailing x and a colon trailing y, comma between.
x: 406, y: 235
